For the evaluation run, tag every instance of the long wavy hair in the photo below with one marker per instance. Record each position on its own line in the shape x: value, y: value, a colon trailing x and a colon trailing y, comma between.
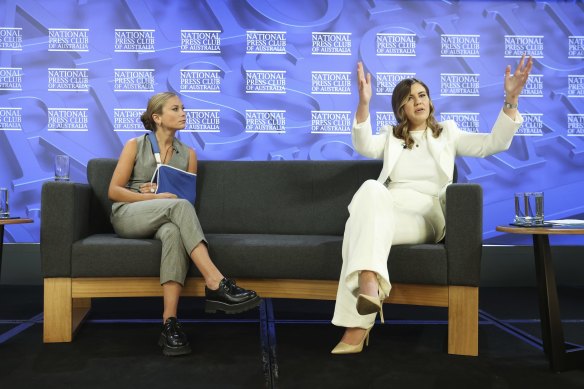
x: 399, y: 98
x: 155, y: 105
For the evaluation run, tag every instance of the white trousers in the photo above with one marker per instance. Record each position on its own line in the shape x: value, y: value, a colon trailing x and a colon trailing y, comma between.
x: 379, y: 218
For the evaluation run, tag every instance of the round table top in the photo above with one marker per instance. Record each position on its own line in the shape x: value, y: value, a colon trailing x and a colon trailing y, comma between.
x: 554, y: 230
x: 15, y: 221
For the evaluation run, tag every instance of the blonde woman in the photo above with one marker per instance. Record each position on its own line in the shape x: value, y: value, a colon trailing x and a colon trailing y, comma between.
x: 139, y: 212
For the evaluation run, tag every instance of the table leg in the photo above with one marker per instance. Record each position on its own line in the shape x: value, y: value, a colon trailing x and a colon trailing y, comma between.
x: 551, y: 325
x: 549, y: 308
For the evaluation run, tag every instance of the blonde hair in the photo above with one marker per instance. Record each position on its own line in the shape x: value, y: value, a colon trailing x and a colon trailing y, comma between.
x: 399, y: 98
x: 155, y: 105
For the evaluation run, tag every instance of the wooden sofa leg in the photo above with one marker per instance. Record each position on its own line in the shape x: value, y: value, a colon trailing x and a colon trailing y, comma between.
x: 62, y: 313
x: 463, y: 320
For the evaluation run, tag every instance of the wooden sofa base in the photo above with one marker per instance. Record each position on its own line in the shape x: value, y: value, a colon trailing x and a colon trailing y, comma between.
x: 68, y: 300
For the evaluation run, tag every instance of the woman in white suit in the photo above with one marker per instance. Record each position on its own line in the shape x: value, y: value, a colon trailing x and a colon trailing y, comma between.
x: 418, y: 162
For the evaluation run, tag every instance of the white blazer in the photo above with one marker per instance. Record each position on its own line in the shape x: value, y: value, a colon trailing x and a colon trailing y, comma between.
x: 451, y: 143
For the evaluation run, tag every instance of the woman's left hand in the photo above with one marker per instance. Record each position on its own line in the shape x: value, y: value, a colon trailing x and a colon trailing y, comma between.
x: 514, y: 84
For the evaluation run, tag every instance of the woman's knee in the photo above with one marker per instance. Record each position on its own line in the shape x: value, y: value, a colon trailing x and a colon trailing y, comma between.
x: 183, y: 205
x: 372, y: 188
x: 370, y: 193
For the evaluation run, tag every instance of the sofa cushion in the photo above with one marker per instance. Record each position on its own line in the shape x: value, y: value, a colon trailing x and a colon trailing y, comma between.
x: 107, y: 255
x: 316, y: 257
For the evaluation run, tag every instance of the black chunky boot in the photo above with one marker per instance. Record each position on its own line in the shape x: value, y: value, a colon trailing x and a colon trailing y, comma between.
x: 230, y: 298
x: 173, y: 340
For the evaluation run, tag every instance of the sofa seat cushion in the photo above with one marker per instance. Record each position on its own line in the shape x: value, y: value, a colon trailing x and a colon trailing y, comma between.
x: 311, y: 257
x: 108, y: 255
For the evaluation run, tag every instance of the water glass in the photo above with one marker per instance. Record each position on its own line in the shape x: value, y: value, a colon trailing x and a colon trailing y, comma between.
x: 4, y: 210
x: 529, y: 208
x: 61, y: 168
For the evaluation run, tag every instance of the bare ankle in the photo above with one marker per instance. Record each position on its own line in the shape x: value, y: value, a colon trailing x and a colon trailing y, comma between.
x: 368, y: 283
x: 213, y: 283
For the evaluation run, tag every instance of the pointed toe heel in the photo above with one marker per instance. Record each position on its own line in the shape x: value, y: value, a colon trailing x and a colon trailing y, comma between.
x: 346, y: 348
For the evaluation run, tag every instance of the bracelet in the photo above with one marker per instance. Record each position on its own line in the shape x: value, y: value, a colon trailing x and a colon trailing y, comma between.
x: 509, y: 105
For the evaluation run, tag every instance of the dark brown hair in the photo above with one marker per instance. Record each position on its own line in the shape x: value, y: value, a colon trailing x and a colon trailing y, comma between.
x: 399, y: 98
x: 155, y: 105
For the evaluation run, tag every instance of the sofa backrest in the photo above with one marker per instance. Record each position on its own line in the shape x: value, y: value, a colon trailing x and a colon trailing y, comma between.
x: 279, y: 197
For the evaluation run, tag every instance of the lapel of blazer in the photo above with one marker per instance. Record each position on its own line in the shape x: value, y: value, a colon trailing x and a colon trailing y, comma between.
x: 393, y: 149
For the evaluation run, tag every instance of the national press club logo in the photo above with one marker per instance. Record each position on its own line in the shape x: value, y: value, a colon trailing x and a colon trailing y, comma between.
x: 331, y: 83
x: 265, y: 81
x: 459, y: 45
x: 330, y: 122
x: 331, y: 43
x: 202, y: 120
x: 265, y: 121
x: 265, y: 42
x: 517, y: 45
x: 532, y: 125
x: 457, y: 84
x: 68, y: 119
x: 11, y: 38
x: 386, y: 82
x: 200, y: 80
x: 69, y: 39
x: 10, y: 119
x: 134, y: 41
x: 133, y: 80
x: 398, y: 45
x: 466, y: 121
x: 575, y: 47
x: 575, y: 124
x: 128, y: 119
x: 575, y: 85
x: 68, y: 80
x: 200, y: 41
x: 383, y: 119
x: 11, y: 79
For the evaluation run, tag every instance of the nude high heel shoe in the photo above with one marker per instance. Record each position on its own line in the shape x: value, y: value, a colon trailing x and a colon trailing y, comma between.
x: 346, y: 348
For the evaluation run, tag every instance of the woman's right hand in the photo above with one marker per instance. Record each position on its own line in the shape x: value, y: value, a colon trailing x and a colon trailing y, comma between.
x: 364, y: 85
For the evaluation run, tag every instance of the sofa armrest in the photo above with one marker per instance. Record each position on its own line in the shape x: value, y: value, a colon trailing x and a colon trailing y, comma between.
x: 65, y: 218
x: 464, y: 233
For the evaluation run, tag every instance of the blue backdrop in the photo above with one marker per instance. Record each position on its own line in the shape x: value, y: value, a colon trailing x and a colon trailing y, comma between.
x: 271, y: 80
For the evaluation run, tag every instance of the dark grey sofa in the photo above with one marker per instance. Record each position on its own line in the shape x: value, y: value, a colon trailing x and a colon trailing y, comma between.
x: 274, y: 226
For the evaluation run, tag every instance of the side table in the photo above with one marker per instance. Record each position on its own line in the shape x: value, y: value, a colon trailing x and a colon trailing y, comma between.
x: 554, y: 344
x: 4, y: 222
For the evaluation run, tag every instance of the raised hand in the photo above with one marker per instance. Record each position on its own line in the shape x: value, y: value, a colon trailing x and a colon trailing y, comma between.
x: 364, y: 85
x: 514, y: 84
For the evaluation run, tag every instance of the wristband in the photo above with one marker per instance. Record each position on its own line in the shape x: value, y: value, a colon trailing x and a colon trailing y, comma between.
x: 509, y: 105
